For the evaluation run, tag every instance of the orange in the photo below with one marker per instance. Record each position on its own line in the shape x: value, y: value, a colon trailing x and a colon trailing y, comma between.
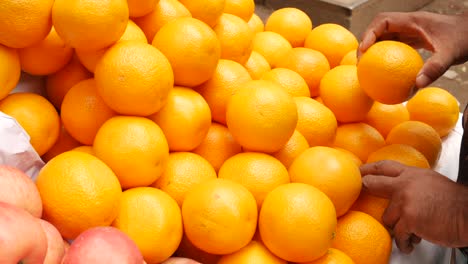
x: 319, y: 99
x: 272, y: 46
x: 297, y: 222
x: 59, y: 83
x: 259, y: 173
x: 37, y: 116
x: 192, y: 49
x: 350, y: 58
x: 261, y: 116
x: 90, y: 24
x: 402, y: 153
x: 152, y: 219
x: 228, y: 77
x: 134, y: 78
x: 78, y: 192
x: 359, y: 138
x: 134, y: 148
x: 333, y: 40
x: 363, y: 238
x: 418, y: 135
x: 341, y: 92
x: 331, y: 172
x: 83, y: 111
x: 310, y: 64
x: 218, y: 146
x: 435, y: 107
x: 235, y: 37
x: 138, y: 8
x: 350, y: 155
x: 24, y: 22
x: 257, y: 65
x: 295, y: 146
x: 290, y: 80
x: 291, y: 23
x: 315, y: 122
x: 85, y: 149
x: 185, y: 119
x: 208, y: 11
x: 254, y: 252
x: 220, y: 216
x: 90, y: 58
x: 10, y: 70
x: 385, y: 117
x: 165, y: 11
x: 184, y: 170
x: 46, y: 56
x: 372, y: 205
x: 387, y: 71
x: 241, y: 8
x: 333, y: 256
x: 256, y: 24
x: 188, y: 250
x: 65, y: 142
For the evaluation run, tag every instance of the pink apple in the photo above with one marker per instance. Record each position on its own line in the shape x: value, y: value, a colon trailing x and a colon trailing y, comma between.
x: 18, y: 189
x: 21, y: 236
x: 103, y: 245
x: 55, y: 246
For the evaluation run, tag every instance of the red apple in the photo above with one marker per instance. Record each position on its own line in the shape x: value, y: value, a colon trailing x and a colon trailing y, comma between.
x: 21, y: 237
x: 18, y: 189
x: 55, y: 245
x: 103, y: 245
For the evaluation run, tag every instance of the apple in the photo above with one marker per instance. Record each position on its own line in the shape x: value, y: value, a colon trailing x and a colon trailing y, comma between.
x: 55, y: 245
x: 22, y: 238
x: 18, y: 189
x: 103, y: 245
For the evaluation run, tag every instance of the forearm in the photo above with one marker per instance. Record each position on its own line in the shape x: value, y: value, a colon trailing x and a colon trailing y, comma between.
x: 462, y: 218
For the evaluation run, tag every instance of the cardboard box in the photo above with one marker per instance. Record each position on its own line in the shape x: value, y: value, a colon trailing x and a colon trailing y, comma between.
x: 352, y: 14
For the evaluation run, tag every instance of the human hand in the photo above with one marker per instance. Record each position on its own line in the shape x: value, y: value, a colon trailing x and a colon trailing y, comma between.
x: 445, y: 36
x: 423, y: 203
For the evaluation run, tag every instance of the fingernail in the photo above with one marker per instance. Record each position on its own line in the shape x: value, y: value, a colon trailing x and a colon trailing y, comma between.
x: 365, y: 181
x: 422, y: 80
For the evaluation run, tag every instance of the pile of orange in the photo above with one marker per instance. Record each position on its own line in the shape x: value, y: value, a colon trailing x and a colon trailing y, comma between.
x: 201, y: 131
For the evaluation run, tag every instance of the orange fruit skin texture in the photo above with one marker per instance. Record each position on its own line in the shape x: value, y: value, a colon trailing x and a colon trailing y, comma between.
x: 235, y: 38
x: 241, y: 8
x: 24, y: 22
x: 359, y: 138
x: 185, y: 119
x: 164, y: 11
x: 261, y: 116
x: 192, y: 48
x: 138, y: 8
x: 47, y: 56
x: 293, y: 148
x: 220, y: 216
x: 404, y: 154
x: 78, y: 192
x: 184, y: 170
x: 37, y: 116
x: 10, y: 70
x: 228, y: 77
x: 418, y: 135
x: 333, y: 40
x: 206, y: 11
x: 85, y: 149
x: 385, y: 117
x: 331, y: 172
x: 59, y: 83
x: 341, y: 92
x: 218, y: 146
x: 134, y: 148
x: 272, y: 46
x: 333, y: 256
x: 435, y: 107
x: 297, y: 222
x: 350, y: 155
x: 152, y: 219
x: 254, y: 252
x: 256, y: 24
x: 134, y: 78
x: 312, y: 65
x: 291, y: 23
x: 350, y: 58
x: 372, y: 205
x: 64, y: 142
x: 387, y: 71
x: 90, y: 24
x: 257, y: 65
x: 315, y: 122
x: 290, y: 80
x: 363, y: 238
x: 258, y: 172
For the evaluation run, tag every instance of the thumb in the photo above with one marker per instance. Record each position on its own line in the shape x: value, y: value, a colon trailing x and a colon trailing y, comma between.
x: 434, y: 67
x: 378, y: 185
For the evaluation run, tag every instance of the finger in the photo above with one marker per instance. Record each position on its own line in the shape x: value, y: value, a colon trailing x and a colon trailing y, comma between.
x: 391, y: 214
x: 379, y: 185
x: 385, y: 167
x: 434, y: 67
x: 415, y: 239
x: 403, y: 238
